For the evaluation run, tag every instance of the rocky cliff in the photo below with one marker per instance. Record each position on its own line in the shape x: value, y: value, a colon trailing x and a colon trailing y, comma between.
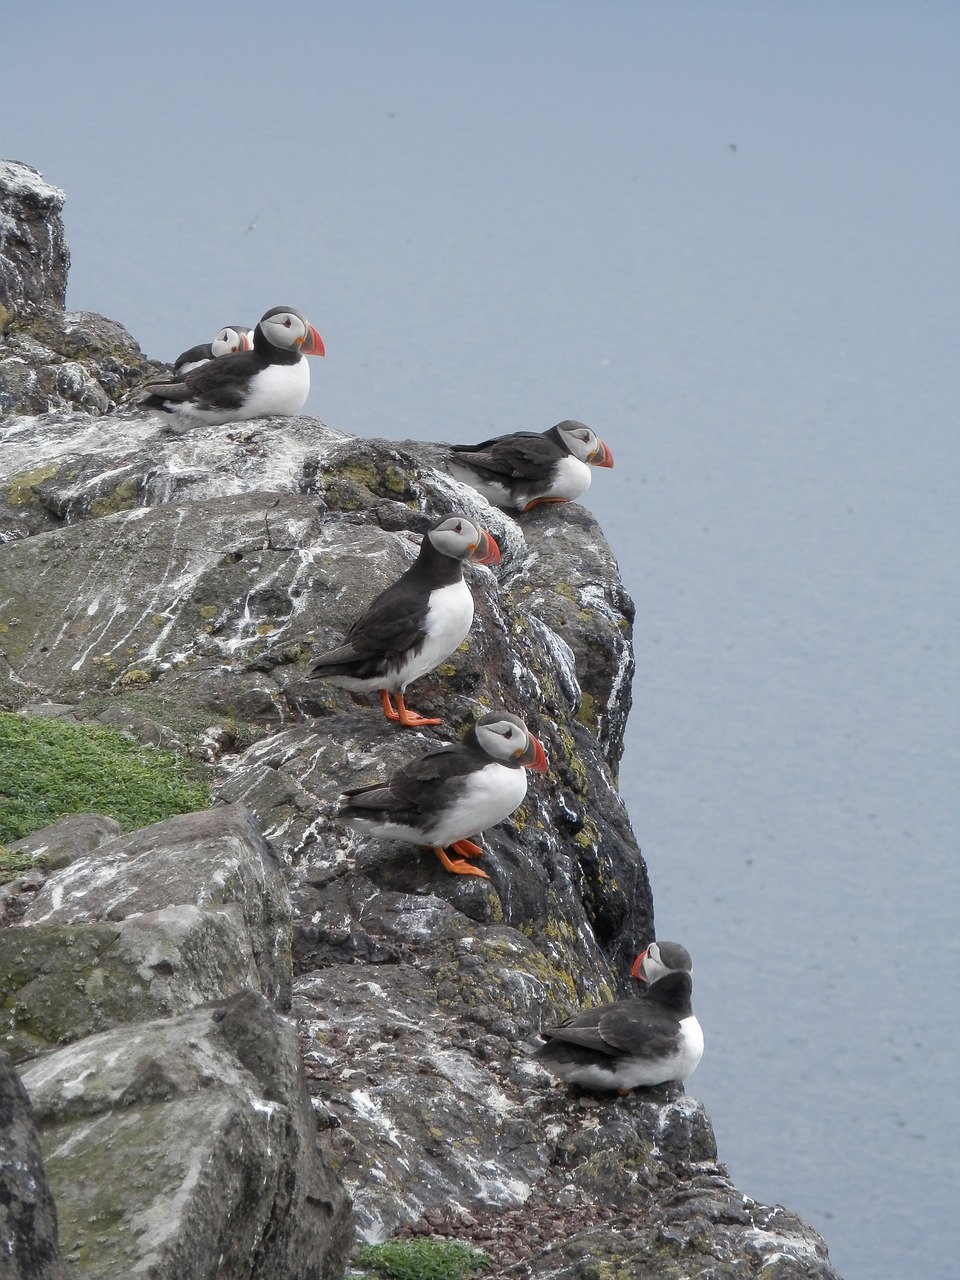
x: 234, y: 1023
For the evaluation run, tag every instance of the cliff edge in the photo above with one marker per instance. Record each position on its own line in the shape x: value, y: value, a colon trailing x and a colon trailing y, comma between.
x: 235, y: 1023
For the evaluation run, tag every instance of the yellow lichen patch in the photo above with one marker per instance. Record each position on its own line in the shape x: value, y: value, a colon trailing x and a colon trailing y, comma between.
x: 123, y: 498
x: 136, y: 676
x: 266, y: 628
x: 587, y: 714
x: 21, y: 487
x: 208, y: 611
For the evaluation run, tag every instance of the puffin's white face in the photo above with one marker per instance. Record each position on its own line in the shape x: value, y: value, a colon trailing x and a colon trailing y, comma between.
x: 502, y: 735
x: 230, y: 340
x: 455, y: 536
x: 505, y: 737
x: 284, y: 327
x: 581, y: 441
x: 458, y: 537
x: 663, y: 958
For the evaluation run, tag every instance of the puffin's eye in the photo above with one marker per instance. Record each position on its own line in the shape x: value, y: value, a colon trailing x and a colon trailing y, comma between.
x: 459, y: 528
x: 287, y: 323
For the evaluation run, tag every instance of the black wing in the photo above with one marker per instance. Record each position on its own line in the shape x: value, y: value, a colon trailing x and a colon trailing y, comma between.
x: 634, y: 1027
x: 526, y: 455
x: 218, y: 384
x: 412, y: 792
x: 202, y: 351
x: 389, y: 628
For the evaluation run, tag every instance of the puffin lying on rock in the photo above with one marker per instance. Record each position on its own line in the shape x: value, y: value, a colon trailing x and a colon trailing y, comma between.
x: 441, y: 798
x: 273, y: 378
x: 632, y: 1043
x: 231, y: 339
x: 523, y: 470
x: 417, y: 622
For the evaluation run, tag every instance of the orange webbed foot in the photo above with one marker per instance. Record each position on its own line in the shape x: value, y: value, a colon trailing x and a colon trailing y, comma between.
x: 402, y: 714
x: 467, y: 848
x: 459, y: 868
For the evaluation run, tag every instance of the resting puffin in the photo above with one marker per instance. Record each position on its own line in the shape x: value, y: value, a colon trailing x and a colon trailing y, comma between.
x: 273, y: 378
x: 231, y: 339
x: 416, y: 623
x: 441, y: 798
x: 526, y: 469
x: 632, y: 1043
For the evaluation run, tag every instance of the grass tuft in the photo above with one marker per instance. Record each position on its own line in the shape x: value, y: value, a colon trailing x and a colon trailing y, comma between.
x: 49, y: 769
x: 420, y: 1259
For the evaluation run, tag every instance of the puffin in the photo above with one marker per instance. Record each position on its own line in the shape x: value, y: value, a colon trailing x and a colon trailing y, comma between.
x: 636, y: 1043
x: 273, y: 378
x: 440, y: 799
x: 415, y: 623
x: 231, y: 339
x: 524, y: 470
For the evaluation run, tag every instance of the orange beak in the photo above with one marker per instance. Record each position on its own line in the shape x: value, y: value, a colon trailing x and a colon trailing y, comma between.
x: 602, y: 456
x: 534, y: 757
x: 487, y: 551
x: 637, y: 969
x: 246, y: 342
x: 312, y: 344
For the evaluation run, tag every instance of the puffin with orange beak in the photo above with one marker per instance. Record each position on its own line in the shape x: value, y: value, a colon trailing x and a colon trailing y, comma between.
x: 273, y: 378
x: 415, y: 623
x: 524, y: 470
x: 440, y: 799
x: 632, y: 1044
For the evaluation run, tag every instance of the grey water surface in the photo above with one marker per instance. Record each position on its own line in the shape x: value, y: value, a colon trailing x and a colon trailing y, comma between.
x: 727, y: 236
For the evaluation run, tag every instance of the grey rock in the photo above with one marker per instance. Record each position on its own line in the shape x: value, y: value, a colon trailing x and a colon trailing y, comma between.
x: 198, y: 885
x: 61, y: 982
x: 187, y: 1148
x: 52, y: 360
x: 68, y: 839
x: 28, y: 1215
x: 34, y: 258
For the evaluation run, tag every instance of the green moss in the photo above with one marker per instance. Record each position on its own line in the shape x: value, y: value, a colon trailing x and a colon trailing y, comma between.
x: 425, y: 1259
x: 20, y: 487
x: 14, y: 864
x: 54, y: 769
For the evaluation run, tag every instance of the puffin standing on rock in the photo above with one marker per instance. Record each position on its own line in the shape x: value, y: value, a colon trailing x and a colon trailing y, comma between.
x: 273, y: 378
x: 637, y: 1043
x: 417, y: 622
x: 443, y: 797
x: 231, y: 339
x: 523, y: 470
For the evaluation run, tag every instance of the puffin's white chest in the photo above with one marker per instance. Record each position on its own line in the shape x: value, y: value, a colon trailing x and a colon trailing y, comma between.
x: 278, y: 389
x: 447, y: 624
x: 677, y: 1065
x: 490, y: 795
x: 569, y: 480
